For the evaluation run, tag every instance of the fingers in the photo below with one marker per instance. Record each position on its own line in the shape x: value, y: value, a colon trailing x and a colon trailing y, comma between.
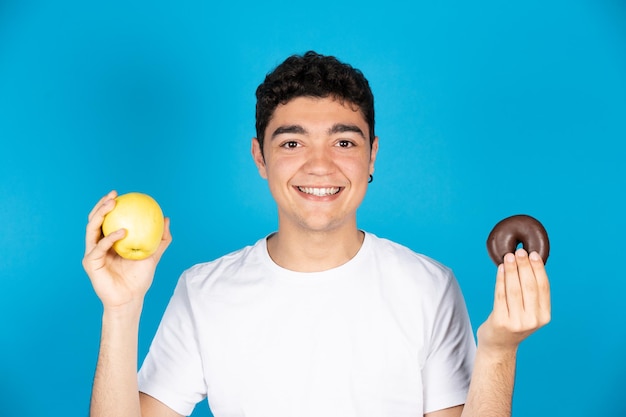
x: 527, y: 281
x: 110, y: 196
x: 543, y: 286
x: 500, y: 306
x: 93, y: 231
x: 165, y: 240
x: 526, y: 289
x: 513, y: 288
x: 105, y: 244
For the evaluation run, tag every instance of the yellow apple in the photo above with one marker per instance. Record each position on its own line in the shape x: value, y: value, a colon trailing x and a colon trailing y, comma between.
x: 142, y: 218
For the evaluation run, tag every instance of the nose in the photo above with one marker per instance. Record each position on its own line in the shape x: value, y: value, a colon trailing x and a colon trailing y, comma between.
x: 320, y: 161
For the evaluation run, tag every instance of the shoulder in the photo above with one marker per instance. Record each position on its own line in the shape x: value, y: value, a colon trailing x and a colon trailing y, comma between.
x: 232, y: 266
x: 398, y: 256
x: 408, y: 275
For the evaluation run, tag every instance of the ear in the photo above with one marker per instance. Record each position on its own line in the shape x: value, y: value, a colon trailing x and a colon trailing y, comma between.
x: 257, y: 156
x: 373, y: 153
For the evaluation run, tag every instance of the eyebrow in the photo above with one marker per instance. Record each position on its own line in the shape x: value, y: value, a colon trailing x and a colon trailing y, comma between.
x: 281, y: 130
x: 341, y: 128
x: 336, y: 128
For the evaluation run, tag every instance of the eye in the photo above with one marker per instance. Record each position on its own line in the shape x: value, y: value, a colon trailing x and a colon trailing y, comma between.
x: 290, y: 144
x: 343, y: 143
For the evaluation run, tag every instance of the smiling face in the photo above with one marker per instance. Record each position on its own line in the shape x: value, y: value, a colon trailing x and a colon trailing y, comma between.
x: 317, y: 159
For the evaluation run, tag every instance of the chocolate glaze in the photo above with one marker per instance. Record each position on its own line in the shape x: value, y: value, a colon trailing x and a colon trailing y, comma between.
x: 512, y: 231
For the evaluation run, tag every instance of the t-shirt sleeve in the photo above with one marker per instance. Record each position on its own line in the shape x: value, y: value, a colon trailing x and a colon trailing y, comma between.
x: 172, y: 370
x: 450, y: 358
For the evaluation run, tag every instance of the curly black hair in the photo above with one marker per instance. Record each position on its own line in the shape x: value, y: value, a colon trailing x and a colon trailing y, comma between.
x: 313, y: 75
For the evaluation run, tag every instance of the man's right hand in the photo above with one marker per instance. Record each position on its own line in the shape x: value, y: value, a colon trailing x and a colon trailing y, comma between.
x: 118, y: 282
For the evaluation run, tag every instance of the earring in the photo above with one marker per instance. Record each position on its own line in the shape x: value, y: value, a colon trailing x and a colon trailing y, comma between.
x: 371, y: 179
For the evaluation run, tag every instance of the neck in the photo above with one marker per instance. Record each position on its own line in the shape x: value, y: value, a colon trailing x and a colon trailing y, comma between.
x: 312, y: 251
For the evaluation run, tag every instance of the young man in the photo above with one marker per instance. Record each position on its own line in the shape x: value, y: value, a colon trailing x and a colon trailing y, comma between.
x: 319, y: 318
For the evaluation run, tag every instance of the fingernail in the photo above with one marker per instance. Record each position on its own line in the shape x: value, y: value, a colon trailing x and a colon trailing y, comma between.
x: 521, y: 253
x: 509, y: 257
x: 534, y: 256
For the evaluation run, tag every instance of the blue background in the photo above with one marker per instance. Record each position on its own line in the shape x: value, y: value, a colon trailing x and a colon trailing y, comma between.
x: 484, y: 109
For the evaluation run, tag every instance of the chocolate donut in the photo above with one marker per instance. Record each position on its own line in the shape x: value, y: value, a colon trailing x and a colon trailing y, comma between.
x: 512, y: 231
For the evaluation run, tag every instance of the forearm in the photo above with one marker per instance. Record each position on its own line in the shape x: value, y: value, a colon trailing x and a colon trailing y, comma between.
x: 115, y: 391
x: 491, y: 388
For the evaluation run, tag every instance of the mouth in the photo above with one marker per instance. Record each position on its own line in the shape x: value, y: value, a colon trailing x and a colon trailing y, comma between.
x: 319, y: 192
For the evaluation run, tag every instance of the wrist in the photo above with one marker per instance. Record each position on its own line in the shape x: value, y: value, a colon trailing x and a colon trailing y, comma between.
x: 128, y: 312
x: 496, y: 354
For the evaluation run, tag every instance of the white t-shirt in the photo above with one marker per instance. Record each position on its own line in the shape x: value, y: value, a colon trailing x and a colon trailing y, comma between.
x: 386, y: 334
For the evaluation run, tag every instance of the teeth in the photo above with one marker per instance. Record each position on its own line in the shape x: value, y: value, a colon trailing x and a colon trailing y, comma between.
x: 319, y: 192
